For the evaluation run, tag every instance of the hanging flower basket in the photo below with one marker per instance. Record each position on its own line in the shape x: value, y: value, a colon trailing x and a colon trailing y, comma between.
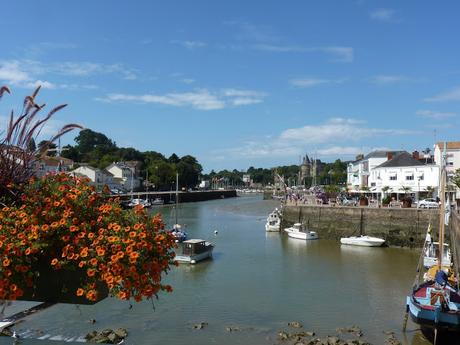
x: 65, y: 243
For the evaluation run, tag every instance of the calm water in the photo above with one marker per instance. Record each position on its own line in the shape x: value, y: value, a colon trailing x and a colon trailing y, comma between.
x: 258, y: 282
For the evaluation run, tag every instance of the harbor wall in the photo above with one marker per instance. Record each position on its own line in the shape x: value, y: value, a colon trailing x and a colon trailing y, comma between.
x: 192, y: 196
x: 405, y: 227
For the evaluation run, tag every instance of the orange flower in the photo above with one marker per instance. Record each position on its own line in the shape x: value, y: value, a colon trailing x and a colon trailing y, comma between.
x: 54, y: 262
x: 116, y: 228
x: 90, y: 272
x: 56, y: 204
x: 137, y: 226
x: 27, y: 252
x: 45, y: 227
x: 81, y: 264
x: 93, y: 261
x: 6, y: 263
x: 54, y: 224
x: 132, y: 234
x: 73, y: 228
x: 100, y: 251
x: 80, y: 292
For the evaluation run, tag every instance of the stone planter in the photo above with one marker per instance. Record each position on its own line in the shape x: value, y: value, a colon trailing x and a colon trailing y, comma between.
x: 59, y: 286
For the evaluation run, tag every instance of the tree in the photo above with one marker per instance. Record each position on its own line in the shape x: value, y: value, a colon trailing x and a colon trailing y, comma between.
x: 456, y: 178
x: 174, y: 159
x: 162, y: 174
x: 189, y: 171
x: 49, y: 149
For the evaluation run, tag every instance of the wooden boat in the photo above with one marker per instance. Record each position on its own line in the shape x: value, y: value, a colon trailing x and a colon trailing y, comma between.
x: 296, y: 231
x: 273, y: 221
x: 195, y: 250
x: 365, y: 241
x: 435, y: 304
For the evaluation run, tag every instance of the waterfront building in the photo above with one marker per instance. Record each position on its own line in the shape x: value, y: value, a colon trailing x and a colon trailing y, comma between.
x: 125, y: 174
x: 99, y: 178
x: 359, y: 171
x: 404, y: 173
x: 452, y: 163
x: 49, y: 164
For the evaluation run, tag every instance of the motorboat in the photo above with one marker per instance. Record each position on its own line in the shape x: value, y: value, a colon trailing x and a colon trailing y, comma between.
x: 365, y: 241
x: 179, y: 234
x: 158, y: 201
x: 273, y: 221
x: 194, y: 250
x: 297, y: 231
x: 142, y: 202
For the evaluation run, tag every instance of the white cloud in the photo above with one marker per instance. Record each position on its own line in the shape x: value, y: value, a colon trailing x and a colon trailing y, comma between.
x: 188, y: 80
x: 338, y: 53
x: 12, y: 73
x: 190, y: 44
x: 335, y: 135
x: 434, y: 114
x: 390, y: 79
x: 345, y: 129
x: 28, y: 73
x: 310, y: 82
x: 201, y: 99
x: 383, y: 14
x: 452, y: 95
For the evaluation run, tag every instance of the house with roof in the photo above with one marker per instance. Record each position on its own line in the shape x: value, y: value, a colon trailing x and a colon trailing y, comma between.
x: 403, y: 173
x: 98, y: 178
x: 48, y: 164
x: 359, y: 171
x: 125, y: 175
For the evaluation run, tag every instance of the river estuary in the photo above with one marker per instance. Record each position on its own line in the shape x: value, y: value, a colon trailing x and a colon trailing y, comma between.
x: 258, y: 282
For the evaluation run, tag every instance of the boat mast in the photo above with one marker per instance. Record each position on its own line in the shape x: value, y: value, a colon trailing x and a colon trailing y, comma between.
x: 442, y: 210
x: 177, y: 194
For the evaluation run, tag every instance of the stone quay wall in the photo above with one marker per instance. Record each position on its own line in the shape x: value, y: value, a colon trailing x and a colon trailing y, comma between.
x: 404, y: 227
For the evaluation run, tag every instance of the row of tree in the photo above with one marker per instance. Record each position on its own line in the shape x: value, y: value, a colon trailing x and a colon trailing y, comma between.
x: 334, y: 173
x: 97, y: 150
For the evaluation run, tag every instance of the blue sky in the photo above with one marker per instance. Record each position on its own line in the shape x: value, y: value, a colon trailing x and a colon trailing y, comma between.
x: 241, y: 83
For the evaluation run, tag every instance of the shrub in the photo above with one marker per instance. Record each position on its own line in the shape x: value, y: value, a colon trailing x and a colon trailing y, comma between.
x: 61, y: 219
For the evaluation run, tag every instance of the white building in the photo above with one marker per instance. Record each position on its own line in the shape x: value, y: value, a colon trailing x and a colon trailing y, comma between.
x: 47, y: 164
x: 404, y: 173
x: 452, y: 160
x: 99, y: 178
x: 359, y: 171
x: 124, y: 175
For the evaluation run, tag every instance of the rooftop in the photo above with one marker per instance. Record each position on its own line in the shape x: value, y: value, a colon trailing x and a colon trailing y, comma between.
x: 450, y: 145
x: 403, y: 159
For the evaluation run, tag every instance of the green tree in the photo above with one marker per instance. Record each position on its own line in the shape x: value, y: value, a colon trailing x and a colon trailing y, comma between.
x: 50, y: 149
x: 456, y: 178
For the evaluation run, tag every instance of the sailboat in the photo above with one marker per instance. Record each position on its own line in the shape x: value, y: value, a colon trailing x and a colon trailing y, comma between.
x: 435, y: 304
x: 177, y: 231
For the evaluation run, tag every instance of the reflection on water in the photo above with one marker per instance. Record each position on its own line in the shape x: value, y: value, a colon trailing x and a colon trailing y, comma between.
x: 257, y: 281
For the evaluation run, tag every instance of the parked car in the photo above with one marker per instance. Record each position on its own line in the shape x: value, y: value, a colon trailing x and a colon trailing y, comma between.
x: 428, y: 203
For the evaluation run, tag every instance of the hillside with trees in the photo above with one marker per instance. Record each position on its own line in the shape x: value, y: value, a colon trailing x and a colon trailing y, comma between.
x: 97, y: 150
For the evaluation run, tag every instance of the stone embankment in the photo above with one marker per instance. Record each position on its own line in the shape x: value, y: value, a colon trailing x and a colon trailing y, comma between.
x: 405, y: 227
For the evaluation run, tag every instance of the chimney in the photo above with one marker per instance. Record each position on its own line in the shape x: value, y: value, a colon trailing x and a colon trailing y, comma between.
x: 416, y: 155
x: 389, y: 155
x: 359, y: 157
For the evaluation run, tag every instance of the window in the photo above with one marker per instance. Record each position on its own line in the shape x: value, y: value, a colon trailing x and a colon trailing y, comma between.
x: 393, y: 177
x: 409, y: 177
x: 372, y: 184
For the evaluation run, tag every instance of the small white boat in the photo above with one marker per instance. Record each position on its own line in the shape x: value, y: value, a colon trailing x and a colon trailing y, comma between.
x: 142, y: 202
x: 365, y: 241
x: 273, y: 221
x: 195, y: 250
x: 158, y: 201
x: 296, y: 231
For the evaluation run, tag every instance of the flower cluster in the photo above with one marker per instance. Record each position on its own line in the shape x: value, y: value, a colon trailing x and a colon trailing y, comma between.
x: 62, y: 218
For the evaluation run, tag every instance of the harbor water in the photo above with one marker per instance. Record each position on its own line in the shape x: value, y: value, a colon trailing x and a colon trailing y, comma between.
x: 256, y: 283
